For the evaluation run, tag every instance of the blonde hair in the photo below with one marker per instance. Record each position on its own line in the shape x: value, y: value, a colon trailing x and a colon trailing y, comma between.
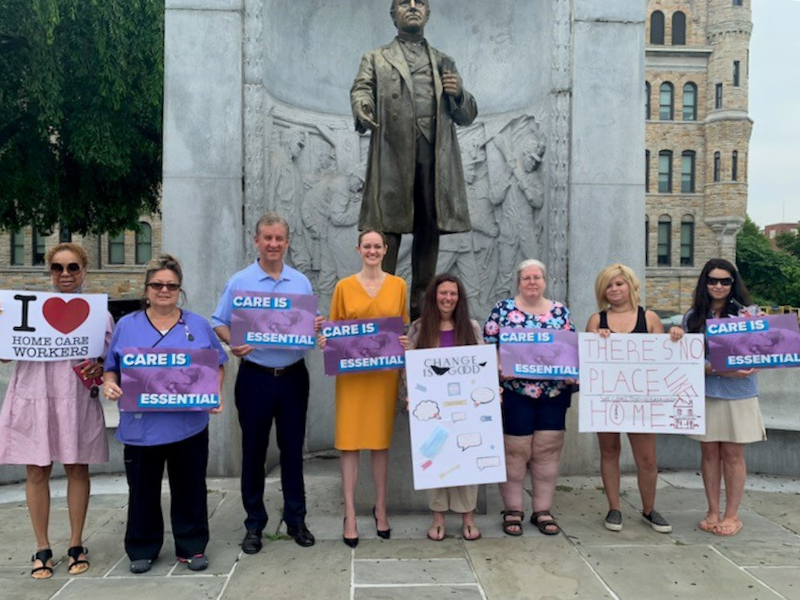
x: 609, y: 273
x: 68, y: 247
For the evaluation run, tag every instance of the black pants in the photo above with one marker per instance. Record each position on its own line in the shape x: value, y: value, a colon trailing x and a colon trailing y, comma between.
x: 186, y: 463
x: 260, y: 398
x: 425, y: 247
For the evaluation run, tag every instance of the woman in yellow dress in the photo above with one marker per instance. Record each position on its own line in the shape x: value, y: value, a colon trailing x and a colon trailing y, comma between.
x: 365, y: 402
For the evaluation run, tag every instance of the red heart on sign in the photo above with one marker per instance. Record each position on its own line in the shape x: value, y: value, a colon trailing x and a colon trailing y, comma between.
x: 65, y: 316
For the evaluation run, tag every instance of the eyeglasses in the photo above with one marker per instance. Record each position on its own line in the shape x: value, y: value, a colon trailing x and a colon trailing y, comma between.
x: 172, y: 287
x: 58, y: 268
x: 530, y: 278
x: 724, y: 281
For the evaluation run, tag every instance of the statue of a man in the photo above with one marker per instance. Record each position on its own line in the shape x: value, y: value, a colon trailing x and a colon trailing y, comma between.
x: 409, y: 95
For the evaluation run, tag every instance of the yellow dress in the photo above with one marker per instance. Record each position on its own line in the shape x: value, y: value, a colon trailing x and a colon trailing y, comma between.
x: 365, y: 402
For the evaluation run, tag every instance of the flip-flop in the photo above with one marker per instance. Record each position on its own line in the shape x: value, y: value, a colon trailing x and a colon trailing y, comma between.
x: 436, y: 533
x: 470, y: 532
x: 78, y: 565
x: 728, y: 529
x: 707, y: 525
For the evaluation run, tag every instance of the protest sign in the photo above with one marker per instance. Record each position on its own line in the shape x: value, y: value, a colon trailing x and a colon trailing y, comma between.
x: 281, y: 321
x: 169, y: 379
x: 765, y: 342
x: 642, y: 383
x: 361, y: 345
x: 539, y: 353
x: 454, y: 416
x: 45, y: 326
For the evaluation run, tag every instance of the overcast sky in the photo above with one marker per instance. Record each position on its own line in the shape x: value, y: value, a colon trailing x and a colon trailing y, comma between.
x: 774, y: 192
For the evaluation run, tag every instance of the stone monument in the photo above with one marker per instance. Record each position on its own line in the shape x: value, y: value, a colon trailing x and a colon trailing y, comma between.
x: 257, y: 116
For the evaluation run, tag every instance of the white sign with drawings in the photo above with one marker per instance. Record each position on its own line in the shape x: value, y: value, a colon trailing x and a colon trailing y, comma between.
x: 454, y: 415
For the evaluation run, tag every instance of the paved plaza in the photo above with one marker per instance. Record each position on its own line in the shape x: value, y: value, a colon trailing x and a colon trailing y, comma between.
x: 585, y: 562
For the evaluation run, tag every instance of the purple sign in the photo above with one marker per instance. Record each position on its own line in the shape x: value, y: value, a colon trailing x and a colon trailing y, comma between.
x: 765, y: 342
x: 539, y: 353
x: 169, y: 379
x: 363, y: 345
x: 281, y: 321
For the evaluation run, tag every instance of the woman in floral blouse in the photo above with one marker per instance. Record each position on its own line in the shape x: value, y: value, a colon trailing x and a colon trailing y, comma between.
x: 534, y: 411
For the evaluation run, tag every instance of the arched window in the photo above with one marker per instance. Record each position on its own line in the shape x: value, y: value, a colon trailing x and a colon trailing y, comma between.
x: 679, y: 29
x: 665, y: 102
x: 116, y: 249
x: 38, y: 248
x: 687, y: 241
x: 647, y: 100
x: 144, y: 243
x: 735, y: 166
x: 664, y: 241
x: 687, y: 172
x: 647, y: 170
x: 17, y: 248
x: 657, y: 28
x: 717, y: 166
x: 690, y: 102
x: 665, y: 172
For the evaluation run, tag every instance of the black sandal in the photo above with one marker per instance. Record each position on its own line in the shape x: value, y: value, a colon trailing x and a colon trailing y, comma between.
x: 508, y: 523
x: 542, y: 526
x: 43, y: 556
x: 76, y: 567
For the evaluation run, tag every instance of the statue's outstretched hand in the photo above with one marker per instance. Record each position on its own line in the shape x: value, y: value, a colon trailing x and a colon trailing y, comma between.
x: 366, y: 117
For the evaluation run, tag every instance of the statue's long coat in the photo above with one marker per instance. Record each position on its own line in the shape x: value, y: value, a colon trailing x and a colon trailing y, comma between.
x: 384, y: 83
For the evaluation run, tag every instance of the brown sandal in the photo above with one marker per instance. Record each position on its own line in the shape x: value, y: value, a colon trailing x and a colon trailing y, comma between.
x: 542, y: 525
x: 512, y: 527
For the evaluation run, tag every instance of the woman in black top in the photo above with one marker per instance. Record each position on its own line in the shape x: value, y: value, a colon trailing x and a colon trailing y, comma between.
x: 617, y: 292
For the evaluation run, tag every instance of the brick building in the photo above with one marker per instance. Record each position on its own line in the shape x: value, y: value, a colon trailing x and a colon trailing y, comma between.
x: 115, y: 263
x: 697, y: 140
x: 774, y: 230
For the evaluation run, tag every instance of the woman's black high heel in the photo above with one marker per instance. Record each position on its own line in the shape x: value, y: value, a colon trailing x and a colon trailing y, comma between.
x: 352, y: 542
x: 384, y: 534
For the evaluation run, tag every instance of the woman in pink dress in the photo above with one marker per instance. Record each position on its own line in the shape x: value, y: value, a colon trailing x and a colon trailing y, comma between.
x: 49, y: 415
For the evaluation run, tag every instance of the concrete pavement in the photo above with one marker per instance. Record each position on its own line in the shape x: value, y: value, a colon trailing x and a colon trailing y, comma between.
x: 586, y: 562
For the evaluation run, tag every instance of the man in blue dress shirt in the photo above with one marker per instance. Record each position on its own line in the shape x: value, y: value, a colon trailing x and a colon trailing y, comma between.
x: 272, y: 384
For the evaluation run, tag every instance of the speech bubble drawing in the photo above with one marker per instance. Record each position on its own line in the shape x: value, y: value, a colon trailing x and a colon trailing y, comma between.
x: 485, y: 462
x: 483, y: 396
x: 458, y: 416
x: 468, y: 440
x: 454, y: 389
x: 426, y: 410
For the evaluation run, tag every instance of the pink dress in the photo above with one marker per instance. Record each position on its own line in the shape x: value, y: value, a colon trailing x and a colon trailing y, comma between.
x: 49, y: 416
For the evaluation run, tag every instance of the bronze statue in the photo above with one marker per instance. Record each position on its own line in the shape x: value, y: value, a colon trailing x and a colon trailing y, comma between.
x: 409, y: 95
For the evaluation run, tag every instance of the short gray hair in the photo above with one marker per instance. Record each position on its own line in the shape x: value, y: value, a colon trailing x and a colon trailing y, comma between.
x: 531, y: 262
x: 272, y: 218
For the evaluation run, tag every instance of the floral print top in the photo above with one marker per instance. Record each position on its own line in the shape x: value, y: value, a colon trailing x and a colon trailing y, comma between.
x: 506, y: 314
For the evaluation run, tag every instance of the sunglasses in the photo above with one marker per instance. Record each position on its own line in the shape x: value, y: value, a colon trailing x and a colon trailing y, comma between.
x: 58, y: 268
x: 724, y: 281
x: 172, y: 287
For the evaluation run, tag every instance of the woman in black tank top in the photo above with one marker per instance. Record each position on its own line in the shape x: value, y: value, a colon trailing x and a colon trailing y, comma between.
x: 617, y: 292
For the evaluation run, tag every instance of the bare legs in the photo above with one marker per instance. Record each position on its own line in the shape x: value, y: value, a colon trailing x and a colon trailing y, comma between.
x: 540, y: 453
x: 37, y: 492
x: 723, y: 460
x: 643, y: 446
x: 380, y: 475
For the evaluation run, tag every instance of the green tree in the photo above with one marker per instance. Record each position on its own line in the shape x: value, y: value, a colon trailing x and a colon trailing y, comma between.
x: 789, y: 242
x: 81, y: 88
x: 772, y: 277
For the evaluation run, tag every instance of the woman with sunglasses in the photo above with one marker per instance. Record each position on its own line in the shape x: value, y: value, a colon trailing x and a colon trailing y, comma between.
x: 152, y: 440
x: 733, y: 417
x: 50, y: 415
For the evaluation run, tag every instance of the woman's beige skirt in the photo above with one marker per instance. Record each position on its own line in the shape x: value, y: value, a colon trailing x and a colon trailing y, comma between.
x: 738, y: 421
x: 462, y: 499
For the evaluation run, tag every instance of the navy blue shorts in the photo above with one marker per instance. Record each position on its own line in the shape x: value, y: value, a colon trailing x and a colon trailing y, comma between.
x: 523, y: 415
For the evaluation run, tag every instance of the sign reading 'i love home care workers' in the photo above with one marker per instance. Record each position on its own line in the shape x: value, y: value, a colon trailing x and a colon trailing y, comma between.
x: 169, y: 379
x: 44, y: 326
x: 765, y: 342
x: 272, y: 320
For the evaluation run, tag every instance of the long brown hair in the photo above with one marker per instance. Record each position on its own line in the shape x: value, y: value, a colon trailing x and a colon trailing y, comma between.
x: 431, y: 318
